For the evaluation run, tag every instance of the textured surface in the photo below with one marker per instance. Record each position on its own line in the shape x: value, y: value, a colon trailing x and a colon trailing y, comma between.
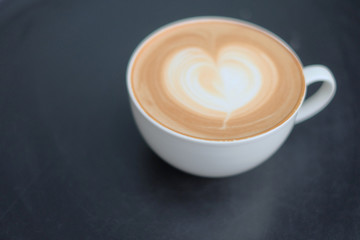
x: 73, y: 165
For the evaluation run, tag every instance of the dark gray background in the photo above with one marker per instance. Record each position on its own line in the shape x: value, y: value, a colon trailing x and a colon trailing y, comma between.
x: 73, y: 165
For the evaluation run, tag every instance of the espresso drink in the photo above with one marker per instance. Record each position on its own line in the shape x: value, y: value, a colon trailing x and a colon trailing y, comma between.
x: 217, y: 79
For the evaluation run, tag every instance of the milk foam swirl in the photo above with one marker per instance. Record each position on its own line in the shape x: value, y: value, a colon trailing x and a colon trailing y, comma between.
x: 223, y: 85
x: 201, y: 83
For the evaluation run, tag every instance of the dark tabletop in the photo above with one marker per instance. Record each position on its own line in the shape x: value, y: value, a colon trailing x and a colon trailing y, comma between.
x: 74, y: 166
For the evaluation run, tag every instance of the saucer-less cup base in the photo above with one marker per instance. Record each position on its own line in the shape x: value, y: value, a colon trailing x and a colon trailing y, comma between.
x: 211, y: 159
x: 226, y: 158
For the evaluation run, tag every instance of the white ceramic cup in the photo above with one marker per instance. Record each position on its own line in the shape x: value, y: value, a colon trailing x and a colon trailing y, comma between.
x: 226, y: 158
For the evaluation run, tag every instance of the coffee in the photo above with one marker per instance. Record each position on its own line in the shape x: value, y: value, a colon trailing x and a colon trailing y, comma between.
x: 217, y: 79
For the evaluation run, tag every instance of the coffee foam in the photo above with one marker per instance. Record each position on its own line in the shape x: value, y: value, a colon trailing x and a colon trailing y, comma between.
x: 217, y: 80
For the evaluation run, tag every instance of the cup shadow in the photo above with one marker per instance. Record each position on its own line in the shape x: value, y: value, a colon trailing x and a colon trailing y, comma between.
x: 246, y: 199
x: 174, y: 183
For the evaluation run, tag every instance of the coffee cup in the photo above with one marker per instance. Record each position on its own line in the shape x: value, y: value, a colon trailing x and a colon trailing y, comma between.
x: 217, y: 96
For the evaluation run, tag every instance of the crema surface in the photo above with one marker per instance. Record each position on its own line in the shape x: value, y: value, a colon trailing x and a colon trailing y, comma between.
x: 217, y: 80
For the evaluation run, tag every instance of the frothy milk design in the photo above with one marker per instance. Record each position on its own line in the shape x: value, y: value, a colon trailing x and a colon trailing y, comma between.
x: 216, y: 80
x: 225, y: 84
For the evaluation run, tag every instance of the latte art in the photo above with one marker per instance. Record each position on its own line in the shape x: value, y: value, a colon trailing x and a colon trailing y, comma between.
x: 202, y: 83
x: 216, y: 80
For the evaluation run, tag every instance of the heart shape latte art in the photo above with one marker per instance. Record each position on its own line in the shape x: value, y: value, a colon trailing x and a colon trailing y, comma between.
x: 199, y: 82
x: 216, y: 80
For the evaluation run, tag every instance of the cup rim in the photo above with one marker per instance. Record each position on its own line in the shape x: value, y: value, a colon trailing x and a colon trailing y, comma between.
x: 201, y: 140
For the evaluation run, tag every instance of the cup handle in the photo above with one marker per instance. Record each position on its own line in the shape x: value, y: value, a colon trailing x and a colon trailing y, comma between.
x: 322, y: 97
